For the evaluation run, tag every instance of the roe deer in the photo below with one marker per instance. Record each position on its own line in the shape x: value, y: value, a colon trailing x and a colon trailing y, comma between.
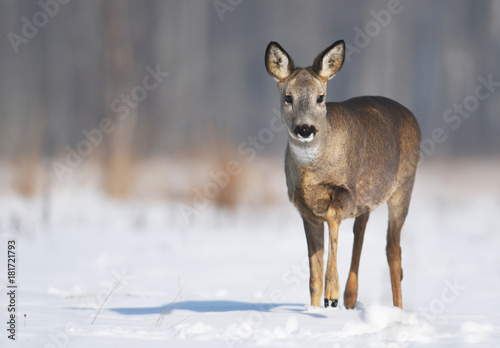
x: 342, y: 161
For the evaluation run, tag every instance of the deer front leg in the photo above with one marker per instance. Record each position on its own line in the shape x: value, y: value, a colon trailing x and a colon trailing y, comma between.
x: 315, y: 236
x: 333, y: 218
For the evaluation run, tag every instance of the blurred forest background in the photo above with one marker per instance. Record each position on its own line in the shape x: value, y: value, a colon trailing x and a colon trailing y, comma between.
x: 75, y: 92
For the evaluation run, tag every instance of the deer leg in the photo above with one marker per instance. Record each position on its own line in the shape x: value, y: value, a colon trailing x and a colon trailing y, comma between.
x: 351, y: 289
x: 315, y: 236
x: 398, y: 209
x: 393, y: 251
x: 333, y: 218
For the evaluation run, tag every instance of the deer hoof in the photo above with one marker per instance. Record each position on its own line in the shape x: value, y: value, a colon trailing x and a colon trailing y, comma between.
x: 331, y: 303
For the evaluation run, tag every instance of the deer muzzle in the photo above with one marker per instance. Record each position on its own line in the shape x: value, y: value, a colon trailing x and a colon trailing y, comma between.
x: 305, y: 131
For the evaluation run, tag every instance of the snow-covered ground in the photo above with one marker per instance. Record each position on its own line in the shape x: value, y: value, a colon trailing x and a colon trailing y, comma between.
x: 240, y: 278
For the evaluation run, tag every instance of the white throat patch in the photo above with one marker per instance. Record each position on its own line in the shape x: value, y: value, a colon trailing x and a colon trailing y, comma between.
x: 304, y: 153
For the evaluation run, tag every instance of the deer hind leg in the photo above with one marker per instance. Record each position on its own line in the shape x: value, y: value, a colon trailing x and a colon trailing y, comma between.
x: 315, y: 236
x: 398, y: 209
x: 351, y: 288
x: 334, y: 218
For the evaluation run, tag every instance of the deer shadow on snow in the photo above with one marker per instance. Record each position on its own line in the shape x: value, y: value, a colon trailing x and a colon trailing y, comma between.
x: 216, y: 306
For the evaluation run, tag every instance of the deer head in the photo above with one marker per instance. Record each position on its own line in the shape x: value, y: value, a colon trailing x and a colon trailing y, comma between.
x: 303, y: 90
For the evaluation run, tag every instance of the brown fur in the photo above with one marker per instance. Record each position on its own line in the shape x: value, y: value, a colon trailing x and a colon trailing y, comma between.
x: 364, y: 153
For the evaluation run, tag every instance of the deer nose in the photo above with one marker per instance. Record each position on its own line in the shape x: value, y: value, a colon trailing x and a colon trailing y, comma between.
x: 305, y: 130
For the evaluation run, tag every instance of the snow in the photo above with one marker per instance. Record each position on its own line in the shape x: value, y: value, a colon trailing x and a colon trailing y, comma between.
x: 240, y: 278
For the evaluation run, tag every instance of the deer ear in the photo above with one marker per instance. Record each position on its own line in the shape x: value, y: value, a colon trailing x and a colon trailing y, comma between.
x: 278, y: 63
x: 328, y: 63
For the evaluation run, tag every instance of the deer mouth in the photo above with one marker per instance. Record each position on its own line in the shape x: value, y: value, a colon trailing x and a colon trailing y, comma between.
x: 305, y: 132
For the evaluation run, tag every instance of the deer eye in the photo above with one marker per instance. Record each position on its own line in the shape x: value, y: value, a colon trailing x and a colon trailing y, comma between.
x: 320, y: 98
x: 288, y: 99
